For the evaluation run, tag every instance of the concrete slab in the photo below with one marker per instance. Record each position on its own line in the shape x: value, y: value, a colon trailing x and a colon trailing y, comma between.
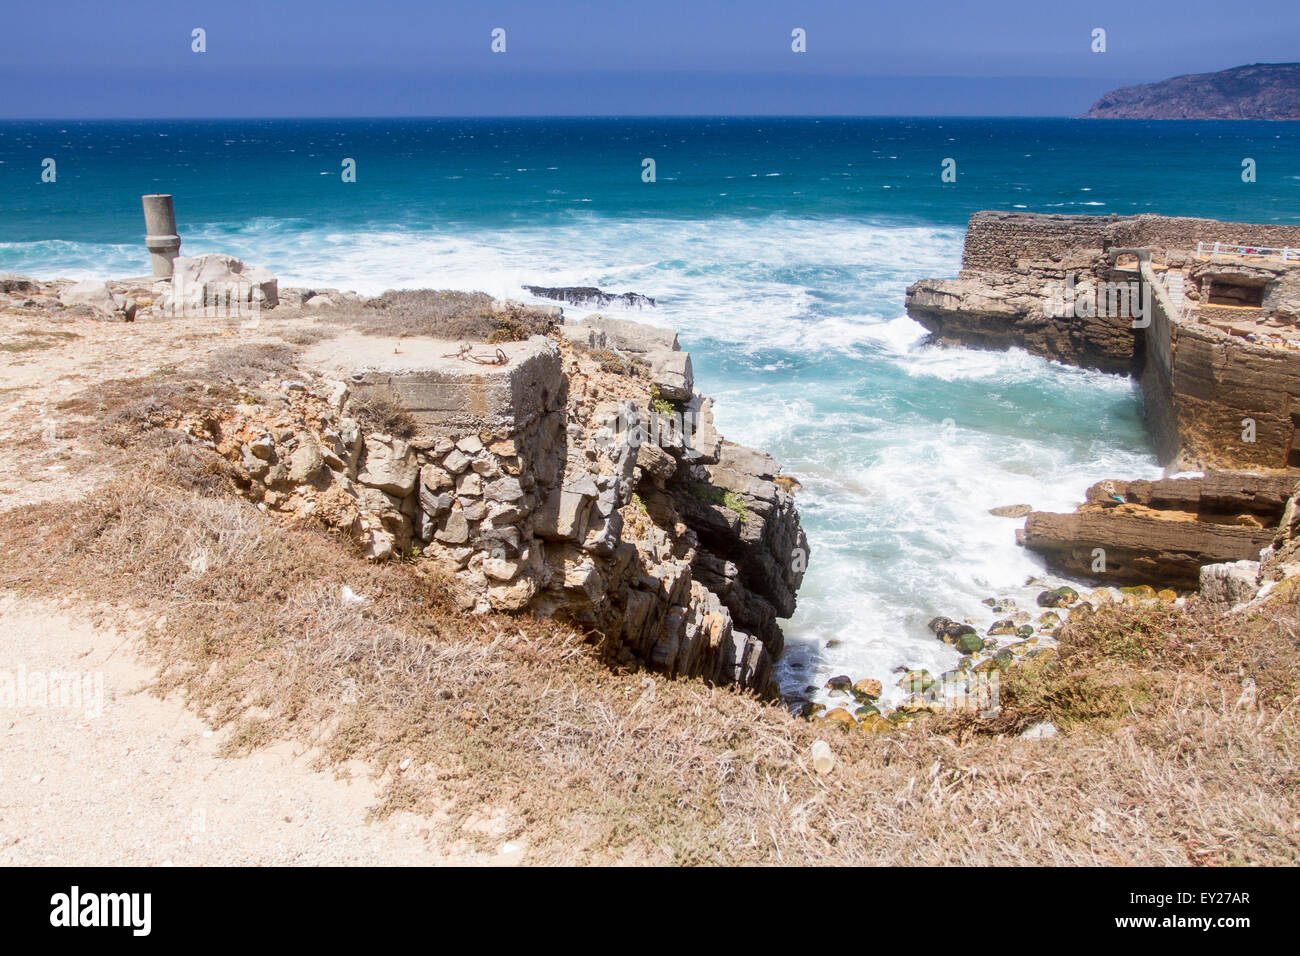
x: 447, y: 390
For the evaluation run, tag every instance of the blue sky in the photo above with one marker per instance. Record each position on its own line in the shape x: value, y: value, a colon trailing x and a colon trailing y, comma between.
x: 402, y: 57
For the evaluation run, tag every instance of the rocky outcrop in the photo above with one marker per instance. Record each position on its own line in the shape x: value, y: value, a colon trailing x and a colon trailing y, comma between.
x: 589, y: 297
x: 1033, y: 282
x: 216, y: 278
x: 99, y: 299
x: 1261, y: 91
x: 1282, y: 557
x: 672, y: 376
x: 1164, y: 532
x: 1230, y: 583
x: 1212, y: 337
x: 999, y: 310
x: 548, y: 483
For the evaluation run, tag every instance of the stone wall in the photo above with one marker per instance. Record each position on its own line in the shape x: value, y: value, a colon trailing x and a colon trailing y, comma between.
x: 1000, y: 240
x: 1223, y: 383
x: 1157, y: 372
x: 1010, y: 293
x: 1182, y: 232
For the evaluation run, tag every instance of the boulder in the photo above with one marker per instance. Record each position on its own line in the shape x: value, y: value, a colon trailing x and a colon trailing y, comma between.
x: 1011, y: 511
x: 868, y: 689
x: 305, y: 463
x: 90, y: 293
x: 656, y: 462
x: 627, y: 336
x: 916, y: 682
x: 1231, y: 583
x: 1058, y: 597
x: 841, y: 684
x: 672, y: 375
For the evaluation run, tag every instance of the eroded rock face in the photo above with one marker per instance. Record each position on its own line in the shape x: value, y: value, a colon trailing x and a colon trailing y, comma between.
x: 1165, y: 532
x: 1230, y: 583
x: 1000, y: 310
x: 1282, y: 557
x: 590, y: 296
x: 681, y: 548
x: 1214, y: 338
x: 554, y: 485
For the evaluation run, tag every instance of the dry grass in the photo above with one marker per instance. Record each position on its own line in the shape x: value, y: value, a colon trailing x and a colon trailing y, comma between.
x: 118, y: 413
x: 440, y: 313
x: 376, y: 411
x: 615, y: 364
x: 1122, y: 662
x: 249, y: 364
x: 33, y: 340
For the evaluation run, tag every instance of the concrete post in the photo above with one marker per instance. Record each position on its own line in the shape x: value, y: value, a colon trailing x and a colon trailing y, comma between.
x: 160, y: 233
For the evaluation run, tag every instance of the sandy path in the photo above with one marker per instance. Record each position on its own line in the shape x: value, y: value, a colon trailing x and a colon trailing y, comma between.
x: 141, y: 782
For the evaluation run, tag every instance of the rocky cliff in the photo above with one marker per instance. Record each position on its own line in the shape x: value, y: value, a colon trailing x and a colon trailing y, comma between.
x: 576, y: 474
x: 1261, y: 91
x: 1213, y: 334
x: 1205, y: 313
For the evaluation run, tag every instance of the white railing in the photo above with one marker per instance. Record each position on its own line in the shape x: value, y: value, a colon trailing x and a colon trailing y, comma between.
x: 1216, y: 249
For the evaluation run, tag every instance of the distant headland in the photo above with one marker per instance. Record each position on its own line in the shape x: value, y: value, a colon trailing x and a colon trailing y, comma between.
x: 1261, y: 91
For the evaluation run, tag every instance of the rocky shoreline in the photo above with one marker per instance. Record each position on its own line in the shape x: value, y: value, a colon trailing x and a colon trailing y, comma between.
x: 1018, y: 637
x: 1211, y: 328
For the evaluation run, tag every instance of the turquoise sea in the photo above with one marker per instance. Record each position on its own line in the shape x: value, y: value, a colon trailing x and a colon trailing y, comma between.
x: 780, y: 248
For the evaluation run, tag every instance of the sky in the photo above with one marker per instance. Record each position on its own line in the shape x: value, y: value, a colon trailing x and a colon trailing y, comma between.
x: 91, y: 59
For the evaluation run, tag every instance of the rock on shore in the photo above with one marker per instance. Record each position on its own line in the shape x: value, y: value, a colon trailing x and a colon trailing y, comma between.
x: 1165, y: 531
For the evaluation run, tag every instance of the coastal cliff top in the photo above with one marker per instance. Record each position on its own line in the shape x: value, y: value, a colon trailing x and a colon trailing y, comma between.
x: 1261, y: 91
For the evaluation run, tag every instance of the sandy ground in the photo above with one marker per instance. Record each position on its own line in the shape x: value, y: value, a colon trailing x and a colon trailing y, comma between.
x: 139, y: 780
x: 34, y: 447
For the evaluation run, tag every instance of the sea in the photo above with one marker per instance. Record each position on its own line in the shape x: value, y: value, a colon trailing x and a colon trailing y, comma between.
x: 779, y: 248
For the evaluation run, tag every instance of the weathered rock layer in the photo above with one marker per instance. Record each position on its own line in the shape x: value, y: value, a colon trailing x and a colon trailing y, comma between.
x: 1165, y: 531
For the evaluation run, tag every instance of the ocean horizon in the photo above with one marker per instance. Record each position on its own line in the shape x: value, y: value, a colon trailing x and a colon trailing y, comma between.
x: 779, y: 248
